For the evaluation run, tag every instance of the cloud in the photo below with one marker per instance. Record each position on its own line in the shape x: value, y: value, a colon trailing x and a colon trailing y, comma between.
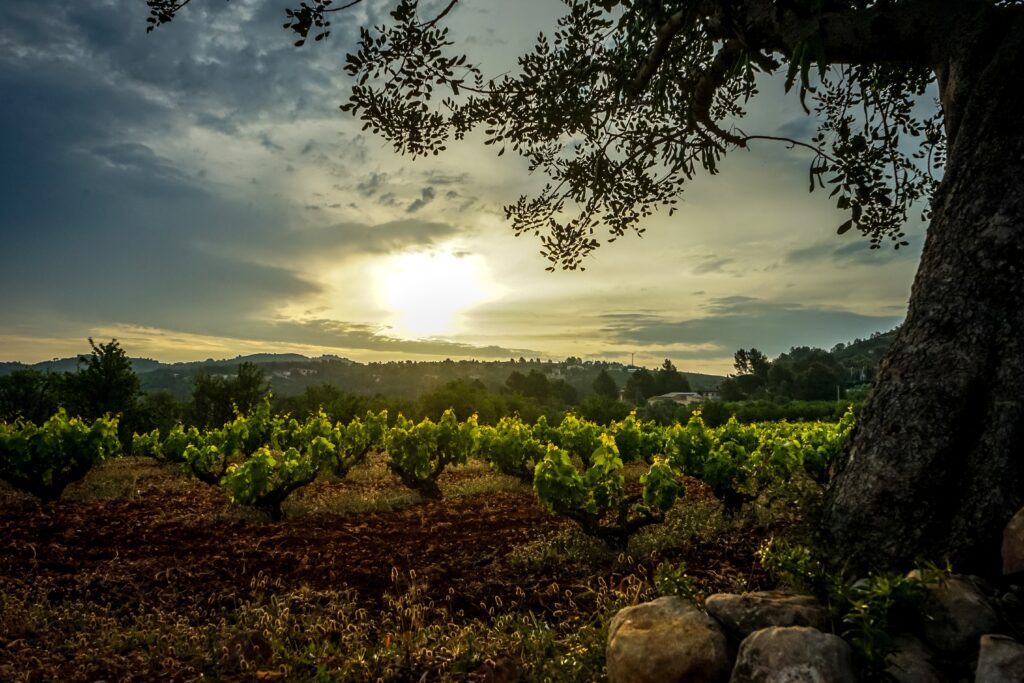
x: 426, y: 196
x: 337, y: 241
x: 339, y: 334
x: 730, y: 323
x: 371, y: 184
x: 712, y: 265
x: 270, y: 144
x: 854, y: 250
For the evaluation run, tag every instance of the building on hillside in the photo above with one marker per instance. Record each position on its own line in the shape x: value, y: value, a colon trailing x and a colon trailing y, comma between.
x: 685, y: 398
x: 682, y: 398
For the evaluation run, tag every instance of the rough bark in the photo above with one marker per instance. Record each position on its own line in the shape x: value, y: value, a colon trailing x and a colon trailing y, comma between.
x: 935, y: 468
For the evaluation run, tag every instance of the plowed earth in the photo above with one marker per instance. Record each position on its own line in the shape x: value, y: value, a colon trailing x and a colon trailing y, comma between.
x: 177, y: 543
x: 137, y: 538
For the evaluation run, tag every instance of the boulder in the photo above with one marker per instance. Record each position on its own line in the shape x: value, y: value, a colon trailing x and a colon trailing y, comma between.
x: 743, y: 614
x: 1013, y: 544
x: 667, y: 640
x: 1000, y: 660
x: 793, y: 654
x: 957, y: 614
x: 911, y: 662
x: 1009, y: 606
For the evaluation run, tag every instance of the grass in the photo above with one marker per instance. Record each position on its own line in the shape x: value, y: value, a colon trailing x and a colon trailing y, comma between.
x: 310, y: 635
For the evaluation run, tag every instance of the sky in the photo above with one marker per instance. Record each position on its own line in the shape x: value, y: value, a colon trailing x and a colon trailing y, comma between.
x: 196, y: 193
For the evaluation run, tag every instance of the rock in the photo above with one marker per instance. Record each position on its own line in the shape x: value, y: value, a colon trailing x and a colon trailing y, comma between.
x: 1010, y: 607
x: 912, y: 662
x: 666, y: 641
x: 743, y: 614
x: 1013, y: 544
x: 793, y: 654
x: 1000, y: 660
x: 957, y: 614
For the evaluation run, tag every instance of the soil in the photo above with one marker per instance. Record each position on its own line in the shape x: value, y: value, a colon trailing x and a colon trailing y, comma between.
x: 178, y: 544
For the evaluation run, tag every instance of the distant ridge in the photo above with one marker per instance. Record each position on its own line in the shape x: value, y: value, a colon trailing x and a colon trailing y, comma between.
x: 143, y: 366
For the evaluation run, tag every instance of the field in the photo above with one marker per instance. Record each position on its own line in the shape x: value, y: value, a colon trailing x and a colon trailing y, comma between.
x: 139, y: 573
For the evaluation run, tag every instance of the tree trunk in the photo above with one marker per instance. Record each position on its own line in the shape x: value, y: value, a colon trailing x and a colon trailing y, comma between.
x: 935, y: 467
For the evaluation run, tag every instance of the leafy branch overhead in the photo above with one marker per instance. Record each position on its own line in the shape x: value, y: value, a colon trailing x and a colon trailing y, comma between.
x: 626, y: 100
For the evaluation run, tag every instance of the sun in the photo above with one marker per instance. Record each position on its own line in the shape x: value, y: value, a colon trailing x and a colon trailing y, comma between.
x: 426, y: 291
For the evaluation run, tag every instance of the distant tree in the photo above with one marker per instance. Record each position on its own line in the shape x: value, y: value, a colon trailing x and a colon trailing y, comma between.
x: 752, y: 362
x: 158, y: 410
x: 641, y: 385
x: 30, y: 394
x: 464, y: 398
x: 817, y: 382
x: 211, y: 401
x: 105, y: 383
x: 605, y: 386
x: 249, y: 387
x: 602, y: 409
x: 536, y: 386
x: 563, y: 392
x: 780, y: 380
x: 533, y: 385
x: 729, y: 389
x: 515, y: 382
x: 215, y: 398
x: 750, y: 386
x: 668, y: 379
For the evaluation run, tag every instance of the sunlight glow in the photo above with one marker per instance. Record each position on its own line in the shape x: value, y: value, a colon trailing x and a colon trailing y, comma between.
x: 426, y: 291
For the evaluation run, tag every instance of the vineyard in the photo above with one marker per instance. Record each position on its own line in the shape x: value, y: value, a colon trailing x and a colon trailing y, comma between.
x: 380, y: 548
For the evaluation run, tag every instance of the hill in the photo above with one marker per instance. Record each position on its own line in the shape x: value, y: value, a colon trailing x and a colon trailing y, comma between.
x: 291, y: 373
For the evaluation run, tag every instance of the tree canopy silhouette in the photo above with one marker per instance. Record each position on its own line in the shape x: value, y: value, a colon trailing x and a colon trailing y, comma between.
x: 623, y: 101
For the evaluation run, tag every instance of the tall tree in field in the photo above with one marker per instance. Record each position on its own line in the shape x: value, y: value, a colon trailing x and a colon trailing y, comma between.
x: 105, y: 383
x: 623, y: 101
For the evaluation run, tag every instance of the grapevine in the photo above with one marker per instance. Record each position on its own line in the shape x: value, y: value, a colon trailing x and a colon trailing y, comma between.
x: 596, y: 500
x: 43, y: 460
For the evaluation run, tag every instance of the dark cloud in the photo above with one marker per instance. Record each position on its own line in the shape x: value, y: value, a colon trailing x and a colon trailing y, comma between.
x: 801, y: 128
x: 217, y: 123
x: 730, y: 323
x: 435, y: 178
x: 855, y: 250
x: 371, y: 184
x: 712, y: 265
x: 335, y: 333
x: 269, y: 144
x: 427, y: 195
x: 333, y: 242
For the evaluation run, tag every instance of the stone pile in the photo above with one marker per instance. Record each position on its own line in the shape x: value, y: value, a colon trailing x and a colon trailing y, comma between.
x: 773, y: 637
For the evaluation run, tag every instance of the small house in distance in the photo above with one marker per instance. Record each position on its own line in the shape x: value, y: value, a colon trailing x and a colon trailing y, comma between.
x: 685, y: 398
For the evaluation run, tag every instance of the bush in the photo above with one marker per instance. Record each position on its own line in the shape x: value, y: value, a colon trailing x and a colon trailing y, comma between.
x: 510, y: 448
x: 44, y: 460
x: 419, y: 452
x: 596, y: 499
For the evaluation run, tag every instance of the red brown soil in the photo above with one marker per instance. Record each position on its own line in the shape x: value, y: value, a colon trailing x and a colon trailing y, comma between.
x: 178, y: 544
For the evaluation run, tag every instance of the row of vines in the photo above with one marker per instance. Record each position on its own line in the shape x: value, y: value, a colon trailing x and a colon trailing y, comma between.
x: 575, y: 468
